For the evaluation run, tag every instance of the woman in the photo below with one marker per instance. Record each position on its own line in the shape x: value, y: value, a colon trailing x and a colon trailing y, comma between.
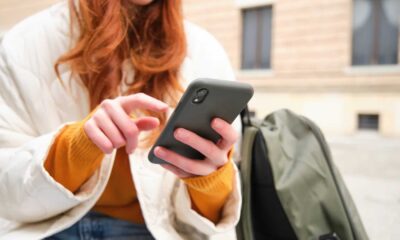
x: 74, y: 139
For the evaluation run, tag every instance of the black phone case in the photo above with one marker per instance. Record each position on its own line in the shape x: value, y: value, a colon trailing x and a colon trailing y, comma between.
x: 225, y: 99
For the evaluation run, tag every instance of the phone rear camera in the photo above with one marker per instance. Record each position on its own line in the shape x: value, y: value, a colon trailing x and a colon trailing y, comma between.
x: 202, y: 92
x: 200, y: 96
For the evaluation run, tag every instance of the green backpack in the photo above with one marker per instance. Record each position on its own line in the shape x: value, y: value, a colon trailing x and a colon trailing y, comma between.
x: 291, y: 188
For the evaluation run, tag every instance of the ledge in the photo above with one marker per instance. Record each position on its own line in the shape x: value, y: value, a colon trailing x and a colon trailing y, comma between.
x: 372, y: 70
x: 253, y: 3
x: 267, y: 73
x: 334, y: 84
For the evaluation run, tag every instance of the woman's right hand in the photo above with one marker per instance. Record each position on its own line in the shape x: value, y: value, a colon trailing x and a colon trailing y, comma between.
x: 111, y: 126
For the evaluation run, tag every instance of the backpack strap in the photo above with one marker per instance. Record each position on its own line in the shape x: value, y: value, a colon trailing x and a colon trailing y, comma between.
x: 245, y: 118
x: 244, y: 228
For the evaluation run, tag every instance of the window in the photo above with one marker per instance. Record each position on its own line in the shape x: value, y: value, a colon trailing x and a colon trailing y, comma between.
x: 256, y: 40
x: 375, y: 32
x: 368, y: 121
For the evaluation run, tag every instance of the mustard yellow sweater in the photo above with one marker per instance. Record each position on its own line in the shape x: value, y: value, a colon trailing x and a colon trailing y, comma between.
x: 73, y: 158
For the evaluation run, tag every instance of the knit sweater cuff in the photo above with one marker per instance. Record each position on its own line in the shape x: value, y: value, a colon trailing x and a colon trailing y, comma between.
x: 81, y: 144
x: 220, y: 180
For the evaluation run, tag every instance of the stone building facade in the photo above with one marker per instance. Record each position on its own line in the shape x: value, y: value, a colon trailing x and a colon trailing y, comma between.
x: 311, y: 69
x: 310, y: 64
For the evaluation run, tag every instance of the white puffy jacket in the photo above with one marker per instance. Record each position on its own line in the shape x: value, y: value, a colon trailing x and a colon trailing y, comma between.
x: 34, y: 106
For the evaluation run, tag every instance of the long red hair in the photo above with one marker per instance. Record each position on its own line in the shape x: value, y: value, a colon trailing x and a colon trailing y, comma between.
x: 111, y: 31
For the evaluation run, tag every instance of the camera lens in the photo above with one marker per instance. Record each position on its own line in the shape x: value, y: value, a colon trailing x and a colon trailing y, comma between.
x: 200, y: 95
x: 202, y: 92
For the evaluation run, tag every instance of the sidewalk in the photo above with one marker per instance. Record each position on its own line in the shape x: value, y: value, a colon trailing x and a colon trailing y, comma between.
x: 370, y: 165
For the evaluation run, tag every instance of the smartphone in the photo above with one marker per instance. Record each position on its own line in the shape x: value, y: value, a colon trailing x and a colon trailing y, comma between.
x: 203, y: 100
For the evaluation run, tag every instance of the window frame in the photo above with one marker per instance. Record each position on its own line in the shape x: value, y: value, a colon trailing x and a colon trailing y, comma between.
x: 358, y: 68
x: 255, y: 4
x: 365, y: 122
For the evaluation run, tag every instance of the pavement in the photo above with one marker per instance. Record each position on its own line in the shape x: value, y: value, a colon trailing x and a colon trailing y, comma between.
x: 370, y: 165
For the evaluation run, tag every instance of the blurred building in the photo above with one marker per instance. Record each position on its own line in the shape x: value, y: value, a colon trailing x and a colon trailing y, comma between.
x: 12, y: 11
x: 334, y: 61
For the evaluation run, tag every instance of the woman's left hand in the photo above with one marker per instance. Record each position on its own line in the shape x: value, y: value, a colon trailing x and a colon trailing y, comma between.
x: 216, y: 155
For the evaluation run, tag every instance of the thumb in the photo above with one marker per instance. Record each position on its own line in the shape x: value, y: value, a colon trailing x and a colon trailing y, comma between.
x: 147, y: 123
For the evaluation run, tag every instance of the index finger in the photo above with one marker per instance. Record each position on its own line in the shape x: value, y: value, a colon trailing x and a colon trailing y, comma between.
x: 227, y: 132
x: 142, y: 101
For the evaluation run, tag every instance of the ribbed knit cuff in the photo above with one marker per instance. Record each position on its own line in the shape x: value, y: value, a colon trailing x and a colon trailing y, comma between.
x: 217, y: 181
x: 81, y: 144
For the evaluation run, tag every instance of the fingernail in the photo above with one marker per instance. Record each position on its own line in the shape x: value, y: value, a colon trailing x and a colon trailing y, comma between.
x: 164, y: 107
x: 217, y: 123
x: 129, y: 151
x: 180, y: 133
x: 160, y: 152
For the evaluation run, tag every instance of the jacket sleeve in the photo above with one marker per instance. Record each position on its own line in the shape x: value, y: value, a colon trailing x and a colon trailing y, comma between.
x: 208, y: 59
x: 27, y: 192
